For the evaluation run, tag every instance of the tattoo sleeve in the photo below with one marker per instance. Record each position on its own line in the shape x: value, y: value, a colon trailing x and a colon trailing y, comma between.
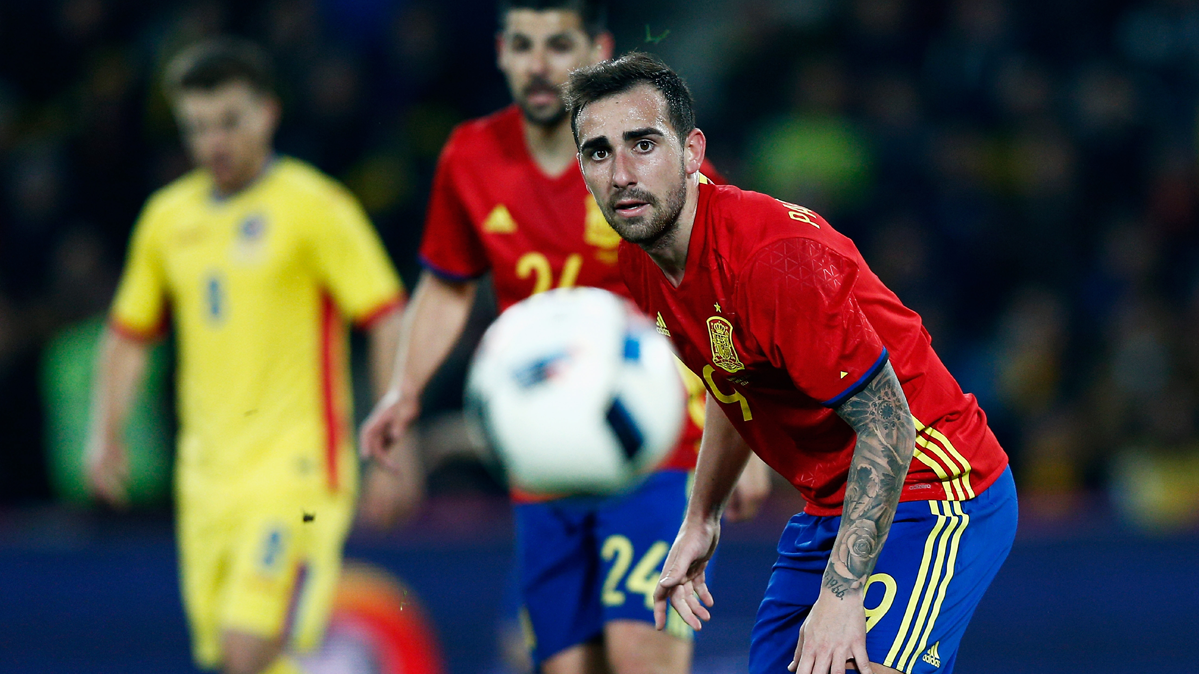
x: 886, y: 439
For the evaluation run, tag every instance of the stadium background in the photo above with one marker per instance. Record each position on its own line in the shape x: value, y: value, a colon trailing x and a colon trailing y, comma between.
x: 1022, y: 173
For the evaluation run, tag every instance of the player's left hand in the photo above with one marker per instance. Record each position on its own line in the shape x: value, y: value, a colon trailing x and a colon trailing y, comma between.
x: 381, y: 437
x: 750, y: 492
x: 391, y: 497
x: 833, y: 633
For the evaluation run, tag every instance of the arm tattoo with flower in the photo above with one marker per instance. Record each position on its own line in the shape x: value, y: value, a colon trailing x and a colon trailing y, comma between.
x: 886, y: 438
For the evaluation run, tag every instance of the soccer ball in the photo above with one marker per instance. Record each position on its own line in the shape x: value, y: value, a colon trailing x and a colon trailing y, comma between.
x: 576, y: 392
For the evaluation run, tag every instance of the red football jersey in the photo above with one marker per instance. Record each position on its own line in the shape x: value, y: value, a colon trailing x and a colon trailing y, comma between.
x: 493, y: 209
x: 783, y: 319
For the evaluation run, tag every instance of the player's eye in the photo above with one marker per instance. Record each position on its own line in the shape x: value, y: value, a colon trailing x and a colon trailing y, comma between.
x: 562, y: 45
x: 519, y: 43
x: 599, y: 155
x: 644, y: 145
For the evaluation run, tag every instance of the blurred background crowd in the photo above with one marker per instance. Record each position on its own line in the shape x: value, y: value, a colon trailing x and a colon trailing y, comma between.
x: 1022, y: 173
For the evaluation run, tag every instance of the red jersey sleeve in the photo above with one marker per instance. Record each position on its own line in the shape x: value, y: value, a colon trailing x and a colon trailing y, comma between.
x: 450, y: 247
x: 801, y: 309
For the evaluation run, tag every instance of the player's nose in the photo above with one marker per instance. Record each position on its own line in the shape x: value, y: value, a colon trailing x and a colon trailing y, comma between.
x: 538, y: 63
x: 622, y: 170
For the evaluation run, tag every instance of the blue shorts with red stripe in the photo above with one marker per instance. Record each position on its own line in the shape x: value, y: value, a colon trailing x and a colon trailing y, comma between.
x: 583, y: 562
x: 938, y: 560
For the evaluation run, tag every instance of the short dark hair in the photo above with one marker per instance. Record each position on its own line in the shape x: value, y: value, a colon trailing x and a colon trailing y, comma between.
x: 589, y: 84
x: 592, y: 13
x: 219, y: 61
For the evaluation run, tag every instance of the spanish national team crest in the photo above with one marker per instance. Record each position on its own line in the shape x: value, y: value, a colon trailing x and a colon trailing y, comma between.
x: 724, y: 353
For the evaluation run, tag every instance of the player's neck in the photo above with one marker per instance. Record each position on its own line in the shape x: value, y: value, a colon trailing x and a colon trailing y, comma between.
x: 255, y: 172
x: 670, y: 251
x: 551, y: 147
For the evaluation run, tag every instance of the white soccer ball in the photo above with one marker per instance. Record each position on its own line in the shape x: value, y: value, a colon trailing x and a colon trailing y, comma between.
x: 576, y: 392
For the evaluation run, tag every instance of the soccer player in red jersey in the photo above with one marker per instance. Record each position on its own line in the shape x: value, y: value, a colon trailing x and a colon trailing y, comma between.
x: 508, y: 199
x: 818, y: 368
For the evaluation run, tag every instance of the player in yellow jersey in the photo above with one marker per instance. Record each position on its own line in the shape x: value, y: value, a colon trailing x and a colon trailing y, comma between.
x: 258, y: 261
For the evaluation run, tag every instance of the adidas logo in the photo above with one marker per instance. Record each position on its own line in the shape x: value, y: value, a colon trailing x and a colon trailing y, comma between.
x: 930, y: 656
x: 499, y: 221
x: 661, y: 325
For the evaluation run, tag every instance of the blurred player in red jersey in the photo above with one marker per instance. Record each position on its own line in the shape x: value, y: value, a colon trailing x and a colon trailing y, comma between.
x: 818, y: 368
x: 508, y: 199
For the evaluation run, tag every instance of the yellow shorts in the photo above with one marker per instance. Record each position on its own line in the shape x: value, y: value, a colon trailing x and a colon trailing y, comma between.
x: 259, y: 565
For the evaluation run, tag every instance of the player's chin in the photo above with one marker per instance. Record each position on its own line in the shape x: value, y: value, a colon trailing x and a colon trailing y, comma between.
x: 638, y: 231
x: 550, y: 114
x: 630, y: 229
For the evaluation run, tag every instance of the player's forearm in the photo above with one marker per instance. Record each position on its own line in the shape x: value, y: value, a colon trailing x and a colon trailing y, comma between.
x: 430, y: 327
x: 886, y: 438
x: 384, y: 337
x: 722, y: 456
x: 120, y: 365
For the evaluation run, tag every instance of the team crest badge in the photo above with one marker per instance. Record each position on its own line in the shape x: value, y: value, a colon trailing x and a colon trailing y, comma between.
x: 250, y: 239
x: 724, y: 353
x: 252, y: 228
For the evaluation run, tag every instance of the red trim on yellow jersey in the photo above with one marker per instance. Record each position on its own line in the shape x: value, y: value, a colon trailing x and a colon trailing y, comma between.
x: 385, y: 309
x: 293, y: 604
x: 329, y: 330
x: 138, y: 335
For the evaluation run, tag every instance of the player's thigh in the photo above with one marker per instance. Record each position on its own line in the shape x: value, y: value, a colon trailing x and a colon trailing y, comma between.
x: 634, y: 533
x: 792, y: 590
x: 285, y: 569
x: 635, y: 647
x: 939, y: 558
x: 204, y: 543
x: 246, y: 653
x: 585, y: 658
x: 557, y: 573
x: 323, y: 557
x: 933, y: 570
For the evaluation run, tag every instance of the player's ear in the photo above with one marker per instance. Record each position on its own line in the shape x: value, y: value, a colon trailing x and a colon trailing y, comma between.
x: 694, y: 149
x: 602, y: 47
x: 274, y: 110
x: 499, y: 50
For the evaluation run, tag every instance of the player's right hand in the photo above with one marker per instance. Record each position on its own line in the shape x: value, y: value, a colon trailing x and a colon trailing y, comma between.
x: 682, y: 584
x: 379, y: 438
x: 107, y: 467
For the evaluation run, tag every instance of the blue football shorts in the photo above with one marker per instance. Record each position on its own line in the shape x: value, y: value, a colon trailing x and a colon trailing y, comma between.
x: 938, y: 560
x: 583, y: 562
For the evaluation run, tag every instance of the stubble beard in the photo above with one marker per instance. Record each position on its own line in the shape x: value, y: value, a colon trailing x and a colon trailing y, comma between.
x: 658, y: 228
x: 546, y: 118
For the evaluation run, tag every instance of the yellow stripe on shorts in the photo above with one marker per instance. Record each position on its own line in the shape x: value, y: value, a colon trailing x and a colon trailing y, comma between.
x: 955, y: 508
x: 925, y: 614
x: 913, y: 600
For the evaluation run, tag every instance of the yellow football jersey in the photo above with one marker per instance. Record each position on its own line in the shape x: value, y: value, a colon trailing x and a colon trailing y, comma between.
x: 257, y: 286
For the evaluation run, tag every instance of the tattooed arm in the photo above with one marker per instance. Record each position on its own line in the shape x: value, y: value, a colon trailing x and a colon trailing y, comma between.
x: 886, y: 438
x: 835, y: 630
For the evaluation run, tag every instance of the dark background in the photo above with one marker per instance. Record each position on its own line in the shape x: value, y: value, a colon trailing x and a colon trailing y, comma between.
x: 1021, y: 173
